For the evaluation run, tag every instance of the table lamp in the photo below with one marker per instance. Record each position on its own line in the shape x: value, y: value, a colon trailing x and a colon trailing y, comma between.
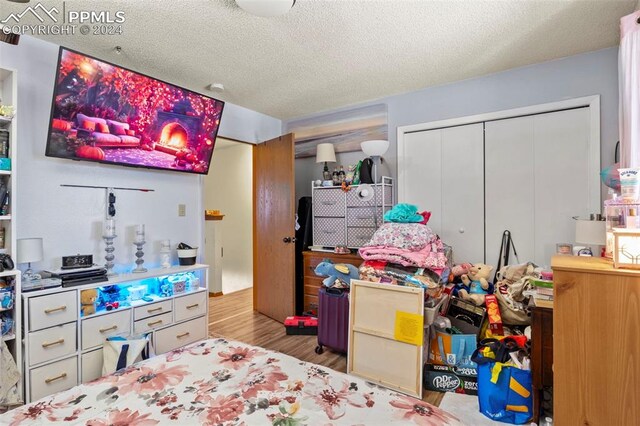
x: 29, y: 250
x: 325, y: 153
x: 375, y: 149
x: 591, y: 233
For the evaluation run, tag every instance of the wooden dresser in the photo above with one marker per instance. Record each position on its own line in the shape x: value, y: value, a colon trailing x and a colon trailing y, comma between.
x: 541, y: 354
x: 596, y: 339
x: 312, y: 282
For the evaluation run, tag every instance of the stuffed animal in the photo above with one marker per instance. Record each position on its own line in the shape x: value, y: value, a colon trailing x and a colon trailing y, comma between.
x: 88, y: 301
x: 477, y: 280
x: 341, y: 271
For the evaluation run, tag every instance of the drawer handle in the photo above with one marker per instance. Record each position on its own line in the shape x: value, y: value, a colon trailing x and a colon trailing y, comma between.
x: 53, y: 379
x: 180, y: 336
x: 329, y: 203
x: 113, y: 327
x: 364, y: 217
x: 152, y: 323
x: 52, y: 310
x: 329, y: 231
x: 195, y: 305
x: 57, y: 342
x: 159, y: 308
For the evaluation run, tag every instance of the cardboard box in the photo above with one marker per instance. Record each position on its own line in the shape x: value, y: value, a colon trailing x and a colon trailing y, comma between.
x: 493, y: 315
x: 441, y: 378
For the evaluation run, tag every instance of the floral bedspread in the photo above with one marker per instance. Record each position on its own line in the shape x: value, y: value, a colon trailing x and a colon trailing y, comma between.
x: 220, y: 382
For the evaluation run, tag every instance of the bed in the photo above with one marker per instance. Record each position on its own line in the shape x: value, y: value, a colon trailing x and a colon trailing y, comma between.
x: 222, y: 382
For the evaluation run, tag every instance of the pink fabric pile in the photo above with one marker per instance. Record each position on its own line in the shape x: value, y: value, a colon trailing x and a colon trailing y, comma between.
x: 407, y: 244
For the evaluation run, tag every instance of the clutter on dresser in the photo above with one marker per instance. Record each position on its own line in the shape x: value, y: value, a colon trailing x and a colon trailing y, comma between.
x: 591, y: 233
x: 79, y: 276
x: 187, y: 254
x: 77, y: 261
x: 30, y: 250
x: 139, y: 241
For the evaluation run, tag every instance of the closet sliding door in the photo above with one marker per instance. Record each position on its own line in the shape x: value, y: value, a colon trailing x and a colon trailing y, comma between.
x: 537, y: 172
x: 441, y: 171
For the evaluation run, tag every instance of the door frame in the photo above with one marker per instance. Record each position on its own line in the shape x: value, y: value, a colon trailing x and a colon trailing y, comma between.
x: 593, y: 102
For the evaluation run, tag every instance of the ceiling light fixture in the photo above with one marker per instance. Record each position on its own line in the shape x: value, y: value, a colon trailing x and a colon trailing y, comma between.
x: 216, y: 87
x: 266, y: 8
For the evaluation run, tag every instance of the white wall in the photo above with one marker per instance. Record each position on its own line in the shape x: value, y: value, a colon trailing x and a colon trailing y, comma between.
x: 572, y: 77
x: 69, y: 220
x: 229, y: 188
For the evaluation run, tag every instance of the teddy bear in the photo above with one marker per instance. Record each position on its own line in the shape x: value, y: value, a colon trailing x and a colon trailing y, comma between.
x: 477, y: 280
x: 88, y: 301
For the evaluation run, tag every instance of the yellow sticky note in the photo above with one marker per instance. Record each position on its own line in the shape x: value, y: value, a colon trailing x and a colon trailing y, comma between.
x: 409, y: 328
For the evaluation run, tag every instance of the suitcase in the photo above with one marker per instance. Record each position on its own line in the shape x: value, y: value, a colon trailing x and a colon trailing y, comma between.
x: 333, y: 320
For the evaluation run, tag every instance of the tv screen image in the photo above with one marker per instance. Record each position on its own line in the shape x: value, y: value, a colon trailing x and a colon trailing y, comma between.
x: 105, y: 113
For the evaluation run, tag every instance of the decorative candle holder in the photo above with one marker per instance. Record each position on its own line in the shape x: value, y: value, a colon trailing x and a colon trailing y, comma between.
x: 165, y: 254
x: 109, y: 249
x: 139, y: 258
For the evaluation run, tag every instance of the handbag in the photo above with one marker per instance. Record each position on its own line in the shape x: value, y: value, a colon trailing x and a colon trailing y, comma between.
x: 505, y: 392
x: 120, y: 352
x: 366, y: 174
x: 454, y: 350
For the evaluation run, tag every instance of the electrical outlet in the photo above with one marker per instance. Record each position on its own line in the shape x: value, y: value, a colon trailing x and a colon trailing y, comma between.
x: 182, y: 210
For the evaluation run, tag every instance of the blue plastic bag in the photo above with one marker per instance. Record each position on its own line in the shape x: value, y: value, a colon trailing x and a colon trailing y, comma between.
x: 505, y: 393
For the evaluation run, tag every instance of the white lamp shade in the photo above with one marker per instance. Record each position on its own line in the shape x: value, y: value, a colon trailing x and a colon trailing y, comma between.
x: 325, y: 152
x: 29, y: 250
x: 266, y: 8
x: 375, y: 148
x: 592, y: 232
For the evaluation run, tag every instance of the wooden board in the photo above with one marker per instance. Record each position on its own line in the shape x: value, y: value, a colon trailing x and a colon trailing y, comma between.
x: 374, y: 353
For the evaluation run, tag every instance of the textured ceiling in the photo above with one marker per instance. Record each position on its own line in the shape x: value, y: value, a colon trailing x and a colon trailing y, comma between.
x: 327, y: 54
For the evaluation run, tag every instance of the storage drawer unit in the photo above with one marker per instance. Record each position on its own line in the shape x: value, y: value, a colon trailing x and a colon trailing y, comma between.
x: 51, y: 343
x: 96, y: 330
x: 336, y: 211
x: 178, y: 335
x: 54, y: 377
x: 190, y: 306
x: 151, y: 323
x: 53, y: 309
x: 152, y: 309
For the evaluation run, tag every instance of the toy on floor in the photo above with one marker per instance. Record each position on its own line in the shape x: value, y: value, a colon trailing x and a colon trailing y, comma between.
x: 88, y: 301
x: 339, y: 271
x: 477, y: 280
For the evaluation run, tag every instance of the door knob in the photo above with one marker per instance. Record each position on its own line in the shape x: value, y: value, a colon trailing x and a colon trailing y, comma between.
x: 461, y: 230
x: 286, y: 239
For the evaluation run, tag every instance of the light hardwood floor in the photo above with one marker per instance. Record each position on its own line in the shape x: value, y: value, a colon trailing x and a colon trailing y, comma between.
x: 232, y: 316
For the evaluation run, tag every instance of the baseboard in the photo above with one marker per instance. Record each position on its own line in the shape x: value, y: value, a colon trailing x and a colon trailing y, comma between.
x: 217, y: 294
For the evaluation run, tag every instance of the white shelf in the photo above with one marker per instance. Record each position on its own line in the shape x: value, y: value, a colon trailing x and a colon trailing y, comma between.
x: 5, y: 172
x: 9, y: 273
x: 5, y: 217
x: 5, y: 120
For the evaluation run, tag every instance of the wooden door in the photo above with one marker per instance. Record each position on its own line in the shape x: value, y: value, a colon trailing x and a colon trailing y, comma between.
x: 274, y: 222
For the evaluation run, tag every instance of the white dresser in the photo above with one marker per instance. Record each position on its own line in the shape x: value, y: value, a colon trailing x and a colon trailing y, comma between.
x: 62, y: 348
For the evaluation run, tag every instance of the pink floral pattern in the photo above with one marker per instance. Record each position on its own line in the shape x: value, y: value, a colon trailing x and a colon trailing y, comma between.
x: 217, y: 382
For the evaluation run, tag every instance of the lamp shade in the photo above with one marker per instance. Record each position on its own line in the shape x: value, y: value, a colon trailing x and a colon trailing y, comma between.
x: 325, y: 152
x: 29, y: 250
x: 266, y: 8
x: 374, y: 148
x: 592, y: 232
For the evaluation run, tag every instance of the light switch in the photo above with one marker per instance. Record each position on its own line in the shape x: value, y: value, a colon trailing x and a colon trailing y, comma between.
x: 182, y: 210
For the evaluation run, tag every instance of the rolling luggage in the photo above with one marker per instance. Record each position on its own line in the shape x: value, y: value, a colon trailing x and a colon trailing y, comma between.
x: 333, y: 320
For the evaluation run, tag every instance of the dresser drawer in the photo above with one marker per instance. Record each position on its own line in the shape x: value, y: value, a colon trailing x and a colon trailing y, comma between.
x: 151, y: 323
x: 190, y: 306
x: 354, y: 201
x: 179, y: 335
x: 54, y: 342
x: 54, y: 377
x: 309, y: 264
x: 310, y: 303
x: 328, y: 202
x: 358, y: 237
x: 96, y: 330
x: 328, y: 231
x: 151, y: 309
x: 92, y: 365
x: 52, y: 309
x: 364, y: 216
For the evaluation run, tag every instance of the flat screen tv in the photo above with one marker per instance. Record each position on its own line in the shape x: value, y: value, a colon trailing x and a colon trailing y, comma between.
x: 108, y: 114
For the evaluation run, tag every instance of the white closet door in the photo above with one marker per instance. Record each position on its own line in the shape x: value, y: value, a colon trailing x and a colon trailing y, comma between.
x: 441, y: 171
x: 561, y: 180
x: 463, y: 192
x: 420, y: 174
x: 509, y: 186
